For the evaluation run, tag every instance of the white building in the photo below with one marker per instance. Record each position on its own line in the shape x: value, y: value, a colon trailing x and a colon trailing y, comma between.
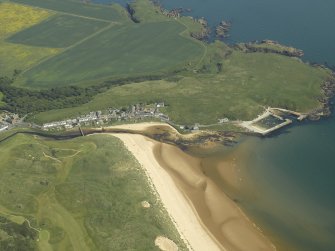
x: 3, y: 128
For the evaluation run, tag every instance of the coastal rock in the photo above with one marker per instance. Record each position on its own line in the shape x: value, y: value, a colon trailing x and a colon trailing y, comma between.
x: 222, y: 29
x: 270, y: 46
x: 205, y: 31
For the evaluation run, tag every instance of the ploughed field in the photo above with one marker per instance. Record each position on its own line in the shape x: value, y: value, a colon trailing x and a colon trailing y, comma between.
x: 79, y: 194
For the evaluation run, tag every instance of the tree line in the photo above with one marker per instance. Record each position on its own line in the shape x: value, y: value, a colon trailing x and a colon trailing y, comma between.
x: 25, y: 101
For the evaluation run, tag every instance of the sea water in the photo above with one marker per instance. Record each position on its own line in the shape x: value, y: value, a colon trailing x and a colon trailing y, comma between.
x: 290, y: 191
x: 293, y: 175
x: 306, y: 24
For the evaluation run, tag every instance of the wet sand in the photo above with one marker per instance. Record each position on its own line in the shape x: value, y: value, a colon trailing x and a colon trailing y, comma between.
x: 204, y: 215
x: 178, y: 207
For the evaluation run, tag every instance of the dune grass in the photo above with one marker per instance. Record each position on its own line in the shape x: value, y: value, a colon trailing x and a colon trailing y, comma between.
x: 60, y: 31
x: 80, y: 194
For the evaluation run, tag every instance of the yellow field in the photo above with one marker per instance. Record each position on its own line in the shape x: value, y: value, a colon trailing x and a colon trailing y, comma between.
x: 15, y: 17
x: 21, y: 57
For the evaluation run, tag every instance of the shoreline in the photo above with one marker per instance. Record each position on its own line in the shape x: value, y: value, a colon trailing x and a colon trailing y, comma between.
x: 205, y: 217
x: 187, y: 224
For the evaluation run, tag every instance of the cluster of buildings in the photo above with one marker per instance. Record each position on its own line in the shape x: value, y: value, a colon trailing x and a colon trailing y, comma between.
x: 133, y: 112
x: 7, y: 120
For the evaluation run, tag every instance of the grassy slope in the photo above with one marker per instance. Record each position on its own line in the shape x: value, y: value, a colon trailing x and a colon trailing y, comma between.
x: 122, y: 51
x: 58, y: 32
x: 246, y: 84
x: 85, y: 192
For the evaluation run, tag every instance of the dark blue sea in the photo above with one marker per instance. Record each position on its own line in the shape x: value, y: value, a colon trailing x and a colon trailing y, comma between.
x: 292, y: 174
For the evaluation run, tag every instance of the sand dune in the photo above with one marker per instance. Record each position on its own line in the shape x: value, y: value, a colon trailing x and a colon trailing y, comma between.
x: 205, y: 216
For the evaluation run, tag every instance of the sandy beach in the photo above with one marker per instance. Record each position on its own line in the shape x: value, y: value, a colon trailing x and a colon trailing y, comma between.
x: 203, y: 214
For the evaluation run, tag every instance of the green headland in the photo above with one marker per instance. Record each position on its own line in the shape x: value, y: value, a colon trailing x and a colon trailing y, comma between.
x: 63, y: 59
x: 114, y: 58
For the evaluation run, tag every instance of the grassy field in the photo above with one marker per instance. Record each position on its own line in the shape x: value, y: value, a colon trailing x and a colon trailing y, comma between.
x: 241, y: 90
x: 123, y: 51
x: 80, y: 194
x: 77, y: 8
x: 20, y: 57
x: 60, y: 31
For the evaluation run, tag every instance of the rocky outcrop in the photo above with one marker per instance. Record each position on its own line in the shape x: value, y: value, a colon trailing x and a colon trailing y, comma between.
x: 131, y: 12
x: 221, y: 31
x: 205, y: 31
x: 270, y: 46
x: 328, y: 93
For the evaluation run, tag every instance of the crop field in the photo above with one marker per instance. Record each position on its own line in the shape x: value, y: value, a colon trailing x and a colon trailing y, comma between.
x: 91, y: 11
x: 118, y: 52
x: 19, y: 57
x: 15, y: 17
x: 240, y: 91
x: 60, y: 31
x: 79, y: 194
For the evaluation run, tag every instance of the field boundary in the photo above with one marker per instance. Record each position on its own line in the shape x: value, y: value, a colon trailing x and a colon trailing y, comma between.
x: 65, y: 13
x: 71, y: 46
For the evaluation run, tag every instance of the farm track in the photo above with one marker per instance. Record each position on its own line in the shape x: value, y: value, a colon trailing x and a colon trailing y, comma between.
x: 72, y: 46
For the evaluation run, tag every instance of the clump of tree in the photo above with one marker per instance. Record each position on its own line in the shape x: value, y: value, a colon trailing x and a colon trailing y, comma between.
x: 24, y: 101
x: 16, y: 237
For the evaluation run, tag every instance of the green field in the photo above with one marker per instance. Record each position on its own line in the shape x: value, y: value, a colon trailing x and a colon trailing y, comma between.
x: 59, y: 31
x: 15, y: 18
x: 77, y: 8
x: 18, y: 57
x: 80, y: 194
x: 119, y: 52
x: 241, y: 91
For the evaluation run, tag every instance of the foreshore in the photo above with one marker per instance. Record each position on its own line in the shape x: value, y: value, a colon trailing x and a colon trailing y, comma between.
x: 204, y: 215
